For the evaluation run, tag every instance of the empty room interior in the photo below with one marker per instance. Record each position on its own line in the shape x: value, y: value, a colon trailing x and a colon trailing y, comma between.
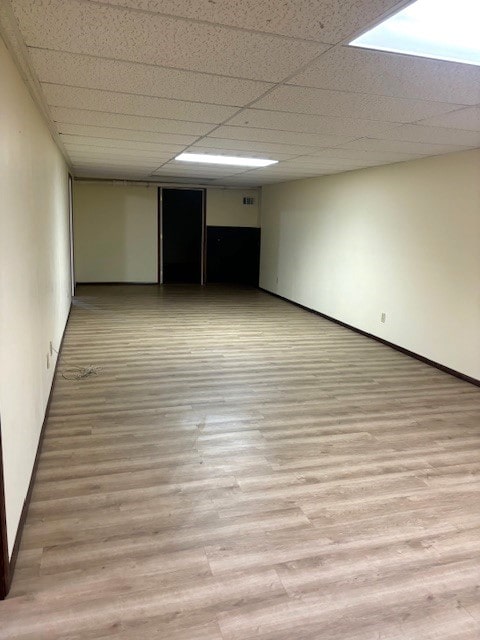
x: 239, y: 320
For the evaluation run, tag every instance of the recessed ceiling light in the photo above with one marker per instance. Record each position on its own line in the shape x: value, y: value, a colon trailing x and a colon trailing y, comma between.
x: 441, y: 29
x: 229, y: 160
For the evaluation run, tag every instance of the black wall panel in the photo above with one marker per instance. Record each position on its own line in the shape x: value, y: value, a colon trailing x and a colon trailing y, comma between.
x: 233, y: 255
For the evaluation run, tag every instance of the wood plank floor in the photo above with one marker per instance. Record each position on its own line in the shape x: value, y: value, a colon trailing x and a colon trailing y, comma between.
x: 240, y: 468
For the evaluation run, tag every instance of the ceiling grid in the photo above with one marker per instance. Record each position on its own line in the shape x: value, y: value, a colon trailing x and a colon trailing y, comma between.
x: 130, y: 84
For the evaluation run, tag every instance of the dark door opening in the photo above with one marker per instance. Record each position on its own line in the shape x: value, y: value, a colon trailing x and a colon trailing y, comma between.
x: 182, y: 225
x: 233, y: 255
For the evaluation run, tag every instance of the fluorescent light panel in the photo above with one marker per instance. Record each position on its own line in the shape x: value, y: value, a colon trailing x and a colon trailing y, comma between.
x: 440, y: 29
x: 228, y: 160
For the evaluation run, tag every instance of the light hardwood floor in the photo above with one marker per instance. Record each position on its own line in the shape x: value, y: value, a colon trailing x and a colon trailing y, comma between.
x: 240, y: 468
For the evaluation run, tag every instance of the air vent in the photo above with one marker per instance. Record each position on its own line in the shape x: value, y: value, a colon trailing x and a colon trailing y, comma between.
x: 249, y: 200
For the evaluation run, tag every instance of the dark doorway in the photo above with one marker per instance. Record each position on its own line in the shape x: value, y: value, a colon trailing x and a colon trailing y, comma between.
x: 233, y: 255
x: 182, y: 224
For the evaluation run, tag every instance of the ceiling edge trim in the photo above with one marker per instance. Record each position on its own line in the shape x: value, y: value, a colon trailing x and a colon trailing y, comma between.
x: 13, y: 39
x: 158, y: 183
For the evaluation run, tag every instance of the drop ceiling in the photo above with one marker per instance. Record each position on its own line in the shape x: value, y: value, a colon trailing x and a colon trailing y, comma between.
x: 130, y: 84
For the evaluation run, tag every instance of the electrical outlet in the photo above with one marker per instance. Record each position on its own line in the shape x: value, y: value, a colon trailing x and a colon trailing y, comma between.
x: 383, y: 317
x: 51, y: 348
x: 48, y: 361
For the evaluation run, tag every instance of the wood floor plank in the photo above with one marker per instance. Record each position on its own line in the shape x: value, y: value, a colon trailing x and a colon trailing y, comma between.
x: 241, y: 469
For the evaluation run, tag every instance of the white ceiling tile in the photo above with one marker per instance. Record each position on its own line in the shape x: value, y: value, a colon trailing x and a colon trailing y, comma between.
x: 201, y: 166
x: 364, y: 157
x: 134, y: 164
x: 117, y: 162
x: 330, y: 168
x: 239, y: 182
x: 106, y: 143
x: 99, y: 165
x: 168, y: 170
x: 117, y: 174
x: 82, y: 171
x: 389, y: 74
x: 317, y: 162
x: 126, y: 135
x: 95, y: 100
x: 322, y: 20
x: 110, y: 174
x: 130, y: 77
x: 434, y: 135
x: 198, y: 148
x: 174, y: 180
x: 183, y: 168
x: 468, y: 119
x: 111, y: 32
x: 344, y: 104
x: 114, y: 170
x: 304, y: 123
x: 284, y: 137
x: 285, y: 171
x: 279, y: 179
x: 81, y: 167
x: 253, y: 147
x: 169, y: 89
x: 252, y: 182
x: 236, y: 184
x: 94, y: 167
x: 142, y: 123
x: 118, y: 154
x: 418, y: 148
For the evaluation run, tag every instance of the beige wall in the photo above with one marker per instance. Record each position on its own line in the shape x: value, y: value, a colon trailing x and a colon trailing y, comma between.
x: 401, y: 239
x: 115, y: 232
x: 34, y: 278
x: 116, y: 227
x: 225, y: 208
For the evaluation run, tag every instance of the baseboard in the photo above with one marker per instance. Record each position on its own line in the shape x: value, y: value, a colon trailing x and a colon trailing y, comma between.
x: 392, y: 345
x: 26, y: 504
x: 104, y: 284
x: 4, y: 559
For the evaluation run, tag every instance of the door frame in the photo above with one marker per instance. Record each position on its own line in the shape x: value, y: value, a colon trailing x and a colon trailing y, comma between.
x: 4, y: 556
x: 203, y: 250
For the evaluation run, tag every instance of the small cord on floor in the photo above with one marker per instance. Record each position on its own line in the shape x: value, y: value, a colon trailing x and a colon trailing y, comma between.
x: 80, y: 373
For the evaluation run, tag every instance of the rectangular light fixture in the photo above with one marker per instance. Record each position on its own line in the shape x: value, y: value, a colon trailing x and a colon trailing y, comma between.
x: 234, y: 161
x: 440, y: 29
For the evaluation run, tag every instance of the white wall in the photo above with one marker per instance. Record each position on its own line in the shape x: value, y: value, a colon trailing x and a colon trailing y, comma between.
x: 402, y: 239
x: 115, y: 228
x: 34, y: 278
x: 115, y: 232
x: 225, y: 208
